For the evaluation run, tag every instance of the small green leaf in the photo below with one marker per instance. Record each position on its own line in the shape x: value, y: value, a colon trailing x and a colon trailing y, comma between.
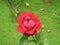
x: 23, y: 40
x: 31, y: 41
x: 37, y: 36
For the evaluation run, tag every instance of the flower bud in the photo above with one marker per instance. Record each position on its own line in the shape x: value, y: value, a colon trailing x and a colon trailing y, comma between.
x: 27, y: 4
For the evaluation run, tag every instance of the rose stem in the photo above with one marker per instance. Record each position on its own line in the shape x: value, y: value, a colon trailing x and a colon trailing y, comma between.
x: 35, y: 40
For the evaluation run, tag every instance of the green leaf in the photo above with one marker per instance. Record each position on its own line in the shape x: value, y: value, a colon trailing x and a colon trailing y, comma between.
x: 23, y: 40
x: 37, y: 36
x: 31, y: 41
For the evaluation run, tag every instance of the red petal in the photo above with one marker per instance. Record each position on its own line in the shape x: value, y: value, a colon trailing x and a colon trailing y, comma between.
x: 36, y: 20
x: 32, y: 31
x: 38, y: 26
x: 20, y: 30
x: 22, y: 16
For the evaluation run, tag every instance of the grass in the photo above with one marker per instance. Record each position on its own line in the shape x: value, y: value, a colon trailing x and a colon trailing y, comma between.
x: 48, y: 17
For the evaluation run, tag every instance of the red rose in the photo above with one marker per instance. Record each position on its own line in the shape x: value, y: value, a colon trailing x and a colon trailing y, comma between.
x: 29, y: 23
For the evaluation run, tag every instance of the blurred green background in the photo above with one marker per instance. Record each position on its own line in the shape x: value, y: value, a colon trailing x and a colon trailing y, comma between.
x: 49, y: 14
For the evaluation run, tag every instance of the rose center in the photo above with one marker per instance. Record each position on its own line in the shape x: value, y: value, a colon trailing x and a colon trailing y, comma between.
x: 28, y: 23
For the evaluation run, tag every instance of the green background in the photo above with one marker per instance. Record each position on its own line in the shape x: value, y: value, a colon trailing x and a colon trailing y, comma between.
x: 49, y: 18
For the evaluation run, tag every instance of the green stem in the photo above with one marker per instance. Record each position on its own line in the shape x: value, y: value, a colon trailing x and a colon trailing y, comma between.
x: 35, y: 40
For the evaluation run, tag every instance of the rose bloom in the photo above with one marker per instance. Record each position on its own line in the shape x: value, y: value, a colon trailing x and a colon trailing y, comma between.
x: 28, y: 23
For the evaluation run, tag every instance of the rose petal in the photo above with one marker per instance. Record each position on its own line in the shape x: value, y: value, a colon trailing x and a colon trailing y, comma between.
x: 31, y: 24
x: 28, y: 22
x: 27, y: 18
x: 39, y: 26
x: 36, y: 28
x: 36, y: 20
x: 20, y: 30
x: 31, y: 32
x: 25, y: 24
x: 22, y: 16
